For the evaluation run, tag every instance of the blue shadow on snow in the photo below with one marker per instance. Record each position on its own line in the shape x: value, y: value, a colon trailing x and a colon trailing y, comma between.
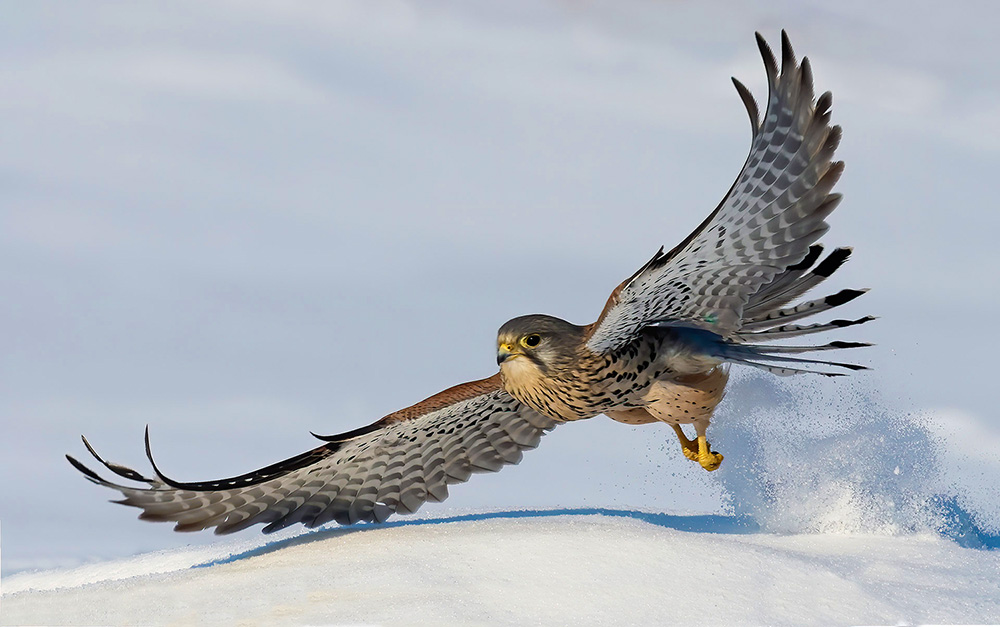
x: 703, y: 523
x: 958, y: 525
x: 954, y: 523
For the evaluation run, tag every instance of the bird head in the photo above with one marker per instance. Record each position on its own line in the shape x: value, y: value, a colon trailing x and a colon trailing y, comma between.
x: 541, y: 340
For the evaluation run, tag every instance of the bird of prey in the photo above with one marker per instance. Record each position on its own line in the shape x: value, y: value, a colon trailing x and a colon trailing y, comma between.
x: 659, y: 351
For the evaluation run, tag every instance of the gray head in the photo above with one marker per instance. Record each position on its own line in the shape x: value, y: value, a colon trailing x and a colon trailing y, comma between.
x: 544, y: 340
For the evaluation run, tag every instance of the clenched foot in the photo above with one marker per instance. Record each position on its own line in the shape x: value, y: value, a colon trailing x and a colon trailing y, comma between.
x: 698, y: 451
x: 709, y: 460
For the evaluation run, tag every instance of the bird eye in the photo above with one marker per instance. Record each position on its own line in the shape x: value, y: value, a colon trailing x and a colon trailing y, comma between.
x: 532, y: 340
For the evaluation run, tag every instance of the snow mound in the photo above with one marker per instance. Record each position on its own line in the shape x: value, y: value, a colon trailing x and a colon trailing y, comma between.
x: 514, y: 568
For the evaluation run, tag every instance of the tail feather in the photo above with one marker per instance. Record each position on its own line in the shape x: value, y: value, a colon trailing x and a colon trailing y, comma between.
x: 731, y: 351
x: 771, y: 358
x: 773, y: 350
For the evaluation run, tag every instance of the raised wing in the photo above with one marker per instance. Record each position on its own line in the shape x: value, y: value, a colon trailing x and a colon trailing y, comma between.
x: 391, y: 466
x: 766, y: 223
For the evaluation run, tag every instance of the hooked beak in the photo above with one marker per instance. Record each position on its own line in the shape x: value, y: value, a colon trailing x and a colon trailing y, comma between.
x: 505, y: 352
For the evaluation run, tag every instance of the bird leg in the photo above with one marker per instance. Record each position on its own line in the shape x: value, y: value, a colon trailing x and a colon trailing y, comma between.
x: 698, y: 450
x: 709, y: 459
x: 688, y: 447
x: 687, y: 399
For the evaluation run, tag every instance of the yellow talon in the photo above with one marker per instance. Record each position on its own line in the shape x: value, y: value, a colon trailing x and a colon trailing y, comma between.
x: 698, y: 452
x: 709, y: 460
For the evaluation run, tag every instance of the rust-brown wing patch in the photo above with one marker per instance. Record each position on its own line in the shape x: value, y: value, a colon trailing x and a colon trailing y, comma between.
x: 452, y: 395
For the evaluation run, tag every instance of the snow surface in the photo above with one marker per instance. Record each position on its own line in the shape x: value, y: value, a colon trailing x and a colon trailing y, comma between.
x: 517, y: 568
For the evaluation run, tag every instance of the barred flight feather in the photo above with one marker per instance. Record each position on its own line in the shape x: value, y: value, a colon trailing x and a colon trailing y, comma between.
x: 767, y: 223
x: 392, y: 466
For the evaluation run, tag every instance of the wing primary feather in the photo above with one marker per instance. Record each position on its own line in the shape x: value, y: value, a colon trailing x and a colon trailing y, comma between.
x: 481, y: 425
x: 751, y: 104
x: 791, y: 284
x: 794, y: 330
x: 249, y: 479
x: 349, y: 435
x: 782, y: 283
x: 803, y: 310
x: 149, y: 456
x: 806, y: 80
x: 118, y: 469
x: 88, y: 473
x: 814, y: 252
x: 787, y: 54
x: 770, y: 63
x: 784, y: 370
x: 761, y: 239
x: 833, y: 261
x: 824, y: 103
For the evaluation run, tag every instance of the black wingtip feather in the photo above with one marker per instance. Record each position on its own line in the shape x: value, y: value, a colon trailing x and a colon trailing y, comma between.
x: 770, y: 63
x: 811, y: 256
x: 340, y: 438
x: 156, y: 471
x: 843, y: 296
x: 90, y: 474
x: 149, y: 453
x: 118, y: 469
x: 787, y: 54
x: 852, y: 366
x: 807, y: 74
x: 824, y: 103
x: 840, y: 344
x: 90, y: 448
x: 833, y: 261
x: 751, y: 105
x: 848, y: 323
x: 833, y: 140
x: 833, y: 174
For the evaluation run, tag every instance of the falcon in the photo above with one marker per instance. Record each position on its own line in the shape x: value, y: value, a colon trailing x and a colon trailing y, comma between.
x: 659, y: 351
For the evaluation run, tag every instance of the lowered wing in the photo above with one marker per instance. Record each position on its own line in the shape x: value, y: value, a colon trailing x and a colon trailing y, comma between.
x: 392, y: 466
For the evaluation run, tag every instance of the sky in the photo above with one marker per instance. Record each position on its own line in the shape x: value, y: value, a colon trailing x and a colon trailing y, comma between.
x: 237, y: 222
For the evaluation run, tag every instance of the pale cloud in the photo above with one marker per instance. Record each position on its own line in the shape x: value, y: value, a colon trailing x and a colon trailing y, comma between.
x: 205, y: 74
x: 50, y: 80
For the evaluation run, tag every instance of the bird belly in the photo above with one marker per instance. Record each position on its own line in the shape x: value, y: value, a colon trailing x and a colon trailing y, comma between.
x: 687, y: 399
